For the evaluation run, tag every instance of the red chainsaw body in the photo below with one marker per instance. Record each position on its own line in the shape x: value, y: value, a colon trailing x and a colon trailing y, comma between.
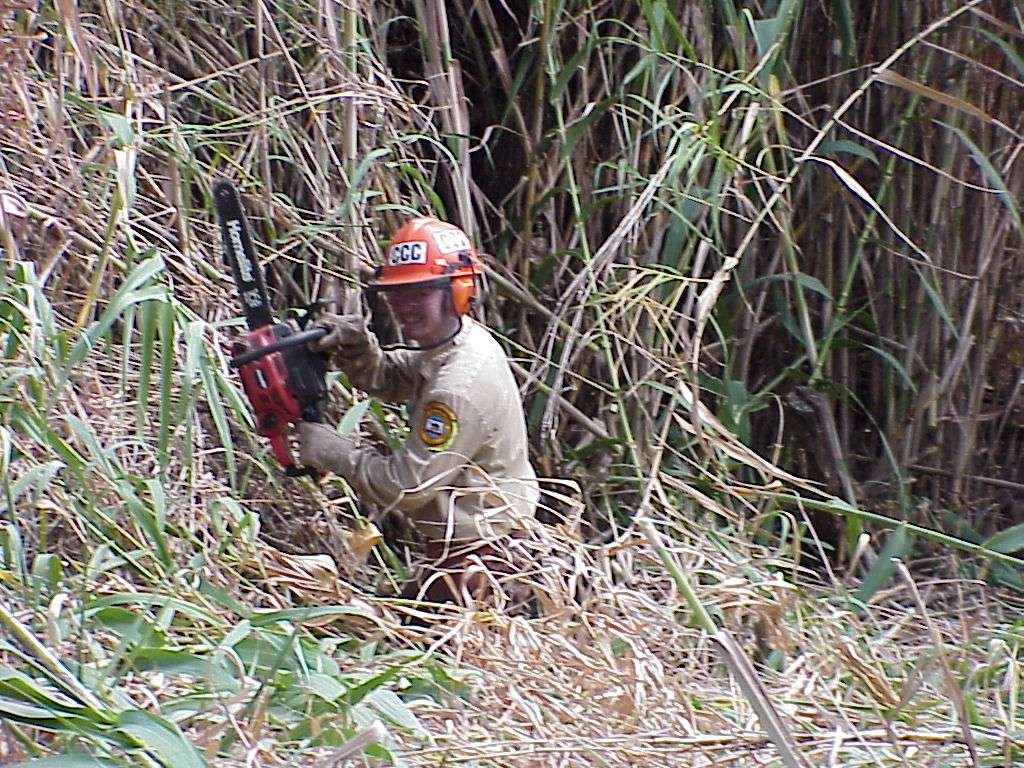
x: 265, y: 381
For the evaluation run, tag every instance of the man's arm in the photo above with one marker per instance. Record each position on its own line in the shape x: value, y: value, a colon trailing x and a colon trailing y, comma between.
x: 446, y: 435
x: 390, y: 376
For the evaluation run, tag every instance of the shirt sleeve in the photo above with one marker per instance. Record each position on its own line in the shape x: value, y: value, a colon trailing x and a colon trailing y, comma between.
x: 389, y: 376
x: 446, y: 434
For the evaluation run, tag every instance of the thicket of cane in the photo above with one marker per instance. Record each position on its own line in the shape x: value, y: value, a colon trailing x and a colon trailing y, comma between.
x: 804, y: 217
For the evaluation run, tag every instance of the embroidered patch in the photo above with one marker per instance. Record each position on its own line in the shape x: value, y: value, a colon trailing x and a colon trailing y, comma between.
x: 438, y: 426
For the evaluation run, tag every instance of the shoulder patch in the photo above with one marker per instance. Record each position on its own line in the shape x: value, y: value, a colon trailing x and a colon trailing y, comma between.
x: 438, y: 426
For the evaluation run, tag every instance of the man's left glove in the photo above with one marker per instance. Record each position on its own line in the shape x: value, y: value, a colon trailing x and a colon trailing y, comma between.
x: 322, y: 447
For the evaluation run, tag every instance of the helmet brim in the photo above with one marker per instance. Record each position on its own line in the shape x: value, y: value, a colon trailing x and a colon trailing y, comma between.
x: 417, y: 281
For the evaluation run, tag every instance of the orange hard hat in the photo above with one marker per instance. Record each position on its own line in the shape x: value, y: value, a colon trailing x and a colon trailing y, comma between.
x: 427, y: 251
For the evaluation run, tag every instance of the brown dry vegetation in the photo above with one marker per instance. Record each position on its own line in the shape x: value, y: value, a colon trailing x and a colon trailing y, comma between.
x: 731, y: 246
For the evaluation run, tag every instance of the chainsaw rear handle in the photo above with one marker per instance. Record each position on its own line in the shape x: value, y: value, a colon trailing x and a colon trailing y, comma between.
x: 294, y: 340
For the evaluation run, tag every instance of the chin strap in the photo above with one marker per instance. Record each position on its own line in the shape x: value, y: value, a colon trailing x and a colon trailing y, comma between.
x: 435, y: 345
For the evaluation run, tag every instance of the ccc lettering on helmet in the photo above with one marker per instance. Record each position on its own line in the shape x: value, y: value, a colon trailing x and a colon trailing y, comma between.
x: 414, y: 252
x: 451, y: 240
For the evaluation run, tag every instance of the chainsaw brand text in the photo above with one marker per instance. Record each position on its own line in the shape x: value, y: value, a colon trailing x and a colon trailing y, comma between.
x: 241, y: 257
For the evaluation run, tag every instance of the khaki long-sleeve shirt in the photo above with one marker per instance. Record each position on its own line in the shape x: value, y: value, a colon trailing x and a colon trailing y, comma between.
x: 463, y: 474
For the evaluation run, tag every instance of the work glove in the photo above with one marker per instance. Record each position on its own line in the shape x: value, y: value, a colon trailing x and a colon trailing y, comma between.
x: 347, y: 336
x: 322, y: 447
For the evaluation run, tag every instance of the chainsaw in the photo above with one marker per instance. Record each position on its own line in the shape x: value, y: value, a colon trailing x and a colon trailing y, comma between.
x: 284, y: 380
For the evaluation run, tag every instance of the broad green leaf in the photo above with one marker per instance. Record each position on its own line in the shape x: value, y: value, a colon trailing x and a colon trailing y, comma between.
x: 145, y: 517
x: 326, y: 687
x: 571, y: 68
x: 1011, y: 54
x: 212, y: 670
x: 357, y: 178
x: 37, y: 478
x: 898, y: 546
x: 161, y: 738
x: 937, y: 303
x: 130, y: 292
x: 849, y: 147
x: 75, y: 760
x: 237, y: 633
x: 46, y: 572
x: 359, y: 692
x: 128, y: 625
x: 809, y: 282
x: 575, y: 130
x: 167, y: 368
x: 264, y: 618
x: 18, y: 688
x: 353, y: 416
x: 153, y: 600
x: 120, y: 126
x: 1007, y: 541
x: 150, y: 313
x: 392, y: 709
x: 13, y: 550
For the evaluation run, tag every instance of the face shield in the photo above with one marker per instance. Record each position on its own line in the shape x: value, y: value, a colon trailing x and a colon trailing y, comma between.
x: 414, y: 316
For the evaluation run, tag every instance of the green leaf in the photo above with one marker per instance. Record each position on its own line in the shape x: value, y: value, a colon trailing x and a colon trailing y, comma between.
x: 357, y: 178
x: 46, y: 572
x: 804, y: 281
x: 161, y: 738
x: 768, y: 32
x: 1007, y: 541
x: 898, y: 546
x: 391, y: 708
x: 847, y: 146
x: 895, y: 364
x: 209, y: 373
x: 177, y: 662
x: 574, y: 131
x: 37, y: 478
x: 75, y: 760
x: 990, y: 173
x: 129, y: 626
x: 153, y: 600
x: 238, y: 633
x: 166, y: 330
x: 844, y: 15
x: 1011, y: 54
x: 326, y: 687
x: 353, y: 416
x: 27, y: 699
x: 359, y: 692
x: 265, y: 618
x: 146, y: 518
x: 150, y: 313
x: 131, y: 292
x: 120, y: 126
x: 571, y: 67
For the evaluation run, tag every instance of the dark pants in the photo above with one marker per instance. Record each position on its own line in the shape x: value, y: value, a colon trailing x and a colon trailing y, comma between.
x: 468, y: 573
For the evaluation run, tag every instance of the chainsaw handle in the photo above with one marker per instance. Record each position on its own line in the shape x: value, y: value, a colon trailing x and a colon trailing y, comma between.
x: 294, y: 340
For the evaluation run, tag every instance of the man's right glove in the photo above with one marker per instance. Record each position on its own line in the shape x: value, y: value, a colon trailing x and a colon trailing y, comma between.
x: 347, y: 336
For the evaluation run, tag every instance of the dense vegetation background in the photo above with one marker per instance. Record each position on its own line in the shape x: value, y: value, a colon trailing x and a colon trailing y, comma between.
x: 733, y: 248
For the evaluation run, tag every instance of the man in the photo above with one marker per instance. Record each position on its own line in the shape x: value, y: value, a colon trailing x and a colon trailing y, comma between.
x: 463, y: 476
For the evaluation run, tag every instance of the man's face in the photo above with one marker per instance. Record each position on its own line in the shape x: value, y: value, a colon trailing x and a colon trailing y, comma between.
x: 424, y: 314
